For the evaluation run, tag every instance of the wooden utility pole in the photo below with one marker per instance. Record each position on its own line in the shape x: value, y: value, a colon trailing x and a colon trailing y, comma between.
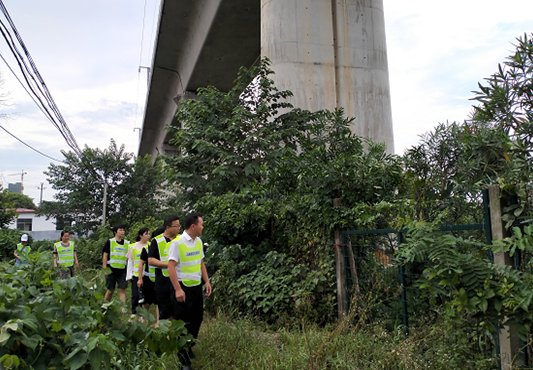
x: 342, y: 298
x: 104, y: 206
x: 508, y: 336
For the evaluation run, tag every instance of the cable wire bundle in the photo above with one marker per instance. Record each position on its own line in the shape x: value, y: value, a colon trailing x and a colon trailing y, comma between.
x: 34, y: 84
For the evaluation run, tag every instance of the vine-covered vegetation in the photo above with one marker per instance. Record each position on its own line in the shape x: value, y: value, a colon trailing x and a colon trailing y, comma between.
x: 266, y: 176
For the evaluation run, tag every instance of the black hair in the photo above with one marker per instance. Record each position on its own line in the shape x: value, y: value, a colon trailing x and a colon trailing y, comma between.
x: 115, y: 228
x: 169, y: 220
x: 63, y: 232
x: 141, y: 233
x: 160, y: 230
x: 191, y: 219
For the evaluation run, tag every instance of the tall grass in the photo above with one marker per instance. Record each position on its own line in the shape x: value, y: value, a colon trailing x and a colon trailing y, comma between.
x: 241, y: 344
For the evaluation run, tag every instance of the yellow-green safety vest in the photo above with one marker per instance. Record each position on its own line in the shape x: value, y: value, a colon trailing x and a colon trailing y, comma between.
x: 163, y: 245
x: 117, y: 255
x: 136, y: 255
x: 23, y: 251
x: 189, y: 267
x: 65, y: 255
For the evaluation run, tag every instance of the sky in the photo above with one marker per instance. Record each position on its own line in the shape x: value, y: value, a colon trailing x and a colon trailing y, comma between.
x: 89, y: 53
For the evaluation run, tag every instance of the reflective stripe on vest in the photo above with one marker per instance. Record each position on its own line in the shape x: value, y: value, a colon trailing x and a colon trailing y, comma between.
x: 65, y: 255
x: 163, y: 245
x: 190, y: 263
x: 150, y: 274
x: 117, y: 255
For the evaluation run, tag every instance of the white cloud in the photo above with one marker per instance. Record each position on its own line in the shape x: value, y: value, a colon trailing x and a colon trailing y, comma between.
x: 439, y: 51
x: 89, y: 53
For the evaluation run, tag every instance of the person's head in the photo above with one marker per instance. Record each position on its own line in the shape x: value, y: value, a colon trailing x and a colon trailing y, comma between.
x: 172, y: 226
x: 160, y: 230
x: 65, y: 236
x: 119, y: 231
x: 143, y: 235
x: 24, y: 238
x: 194, y: 224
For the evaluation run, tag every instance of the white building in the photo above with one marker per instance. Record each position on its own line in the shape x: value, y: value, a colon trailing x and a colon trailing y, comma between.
x: 37, y: 226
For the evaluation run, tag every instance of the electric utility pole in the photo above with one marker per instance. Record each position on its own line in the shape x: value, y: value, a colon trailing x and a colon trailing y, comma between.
x: 41, y: 197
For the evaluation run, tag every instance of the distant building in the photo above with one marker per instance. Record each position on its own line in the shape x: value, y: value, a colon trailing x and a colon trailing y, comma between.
x: 37, y: 226
x: 15, y: 188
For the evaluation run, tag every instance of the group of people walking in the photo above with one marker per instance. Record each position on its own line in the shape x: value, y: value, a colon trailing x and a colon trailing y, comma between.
x: 165, y: 267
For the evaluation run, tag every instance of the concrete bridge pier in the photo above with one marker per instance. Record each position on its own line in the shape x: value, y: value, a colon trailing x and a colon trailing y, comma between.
x: 332, y: 53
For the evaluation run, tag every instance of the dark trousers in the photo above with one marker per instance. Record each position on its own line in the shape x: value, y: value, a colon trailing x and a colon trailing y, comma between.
x: 191, y: 312
x: 134, y: 294
x: 163, y: 290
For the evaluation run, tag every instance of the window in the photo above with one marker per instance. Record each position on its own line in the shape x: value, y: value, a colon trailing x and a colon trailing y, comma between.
x: 24, y: 224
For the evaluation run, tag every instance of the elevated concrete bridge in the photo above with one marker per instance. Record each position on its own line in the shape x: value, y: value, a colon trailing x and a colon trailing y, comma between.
x: 329, y: 53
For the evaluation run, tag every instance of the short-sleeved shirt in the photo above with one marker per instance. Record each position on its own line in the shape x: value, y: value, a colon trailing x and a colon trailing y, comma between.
x: 153, y: 252
x: 107, y: 249
x: 173, y: 252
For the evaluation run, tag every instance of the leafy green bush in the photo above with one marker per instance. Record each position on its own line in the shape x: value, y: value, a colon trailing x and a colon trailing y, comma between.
x: 276, y: 290
x: 8, y: 242
x: 47, y: 323
x: 89, y: 249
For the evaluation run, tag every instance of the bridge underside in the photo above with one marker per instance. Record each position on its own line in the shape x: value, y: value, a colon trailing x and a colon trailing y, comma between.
x: 200, y: 43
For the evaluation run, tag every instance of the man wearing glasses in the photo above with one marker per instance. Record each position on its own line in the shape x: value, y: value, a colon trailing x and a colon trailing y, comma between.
x: 158, y: 257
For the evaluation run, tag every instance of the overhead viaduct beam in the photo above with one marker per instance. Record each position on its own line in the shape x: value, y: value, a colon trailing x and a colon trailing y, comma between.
x: 199, y: 43
x: 329, y: 53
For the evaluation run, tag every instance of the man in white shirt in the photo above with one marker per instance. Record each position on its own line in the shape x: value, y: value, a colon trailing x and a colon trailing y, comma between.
x: 186, y: 268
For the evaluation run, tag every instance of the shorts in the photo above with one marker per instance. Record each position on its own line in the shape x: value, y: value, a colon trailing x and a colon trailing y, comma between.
x: 116, y: 277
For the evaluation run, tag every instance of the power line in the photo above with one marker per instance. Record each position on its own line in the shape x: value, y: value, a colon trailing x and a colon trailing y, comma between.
x: 34, y: 80
x: 25, y: 89
x: 29, y: 146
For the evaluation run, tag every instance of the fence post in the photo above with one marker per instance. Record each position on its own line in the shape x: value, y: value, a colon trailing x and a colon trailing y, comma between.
x: 508, y: 338
x: 405, y: 312
x: 342, y: 299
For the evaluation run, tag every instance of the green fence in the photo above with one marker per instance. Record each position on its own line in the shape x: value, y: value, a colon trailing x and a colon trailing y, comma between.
x: 372, y: 275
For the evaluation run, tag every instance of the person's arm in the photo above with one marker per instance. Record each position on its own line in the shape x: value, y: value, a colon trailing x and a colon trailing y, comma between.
x: 76, y: 259
x: 205, y: 278
x: 173, y: 258
x: 140, y: 274
x: 104, y: 260
x: 157, y: 263
x: 54, y: 256
x: 105, y: 254
x: 153, y: 256
x: 173, y: 275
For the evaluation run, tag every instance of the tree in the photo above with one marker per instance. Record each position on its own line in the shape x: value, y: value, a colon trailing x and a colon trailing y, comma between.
x: 132, y: 187
x: 6, y: 209
x: 265, y: 175
x: 495, y: 146
x: 454, y: 162
x: 506, y: 107
x: 19, y: 200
